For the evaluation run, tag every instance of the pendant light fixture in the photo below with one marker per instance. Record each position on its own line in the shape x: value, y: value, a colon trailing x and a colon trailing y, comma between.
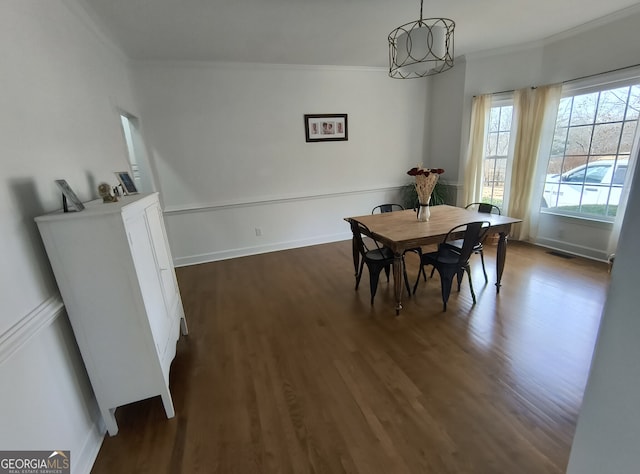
x: 421, y: 48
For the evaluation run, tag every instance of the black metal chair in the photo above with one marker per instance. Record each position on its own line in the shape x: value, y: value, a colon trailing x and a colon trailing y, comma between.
x: 382, y: 208
x: 452, y: 261
x: 387, y: 208
x: 483, y: 208
x: 376, y: 259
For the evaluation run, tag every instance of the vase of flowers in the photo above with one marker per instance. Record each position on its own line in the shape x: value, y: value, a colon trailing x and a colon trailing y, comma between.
x: 426, y: 179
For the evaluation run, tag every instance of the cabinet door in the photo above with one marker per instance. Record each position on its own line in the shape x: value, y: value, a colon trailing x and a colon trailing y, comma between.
x: 163, y: 257
x: 149, y: 280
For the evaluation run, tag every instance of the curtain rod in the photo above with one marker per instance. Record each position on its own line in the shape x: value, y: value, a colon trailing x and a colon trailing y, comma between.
x: 576, y: 79
x: 509, y: 91
x: 601, y: 73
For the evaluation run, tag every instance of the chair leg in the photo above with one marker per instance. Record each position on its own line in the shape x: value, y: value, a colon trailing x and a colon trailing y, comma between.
x: 446, y: 281
x: 424, y: 274
x: 473, y: 295
x: 374, y: 276
x: 359, y: 274
x: 415, y: 287
x: 386, y: 270
x: 459, y: 277
x: 486, y: 280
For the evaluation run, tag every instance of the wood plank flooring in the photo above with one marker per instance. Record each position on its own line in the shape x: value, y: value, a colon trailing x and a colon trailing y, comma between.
x: 287, y: 369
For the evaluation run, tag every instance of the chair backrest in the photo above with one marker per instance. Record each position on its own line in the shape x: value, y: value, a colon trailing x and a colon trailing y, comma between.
x: 387, y: 208
x: 474, y: 232
x: 358, y: 229
x: 484, y: 208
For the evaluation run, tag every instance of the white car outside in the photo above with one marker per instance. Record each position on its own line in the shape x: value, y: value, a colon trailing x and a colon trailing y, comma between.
x: 598, y: 182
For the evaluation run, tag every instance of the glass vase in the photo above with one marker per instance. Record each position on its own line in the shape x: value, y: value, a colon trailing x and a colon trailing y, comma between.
x: 424, y: 213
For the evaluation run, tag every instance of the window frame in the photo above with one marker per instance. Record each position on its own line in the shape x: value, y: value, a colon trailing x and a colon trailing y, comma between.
x: 598, y: 84
x: 499, y: 101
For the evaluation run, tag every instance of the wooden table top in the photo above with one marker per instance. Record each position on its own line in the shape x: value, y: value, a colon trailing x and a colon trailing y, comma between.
x: 402, y: 230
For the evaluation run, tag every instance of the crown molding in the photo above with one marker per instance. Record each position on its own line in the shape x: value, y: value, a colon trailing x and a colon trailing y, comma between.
x: 549, y: 40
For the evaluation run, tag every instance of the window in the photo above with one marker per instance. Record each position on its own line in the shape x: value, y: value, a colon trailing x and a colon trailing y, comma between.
x: 496, y: 154
x: 592, y: 145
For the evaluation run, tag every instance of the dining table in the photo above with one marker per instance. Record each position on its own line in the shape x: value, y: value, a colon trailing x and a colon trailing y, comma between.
x: 401, y: 231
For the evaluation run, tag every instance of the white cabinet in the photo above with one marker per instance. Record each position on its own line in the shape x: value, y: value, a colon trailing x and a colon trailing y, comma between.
x: 115, y: 272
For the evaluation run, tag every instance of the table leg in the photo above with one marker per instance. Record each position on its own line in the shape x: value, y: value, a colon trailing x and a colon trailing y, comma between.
x: 397, y: 281
x: 501, y: 256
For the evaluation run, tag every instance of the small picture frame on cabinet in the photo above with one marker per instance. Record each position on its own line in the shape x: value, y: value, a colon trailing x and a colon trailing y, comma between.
x: 69, y: 198
x: 126, y: 182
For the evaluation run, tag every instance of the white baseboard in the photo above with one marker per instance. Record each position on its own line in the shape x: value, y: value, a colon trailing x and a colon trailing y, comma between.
x: 578, y: 250
x: 272, y: 247
x: 83, y: 463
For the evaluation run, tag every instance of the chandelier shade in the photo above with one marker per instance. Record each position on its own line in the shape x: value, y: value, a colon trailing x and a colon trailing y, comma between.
x: 421, y: 48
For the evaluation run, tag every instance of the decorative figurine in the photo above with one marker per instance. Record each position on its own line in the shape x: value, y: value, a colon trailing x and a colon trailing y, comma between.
x: 104, y: 190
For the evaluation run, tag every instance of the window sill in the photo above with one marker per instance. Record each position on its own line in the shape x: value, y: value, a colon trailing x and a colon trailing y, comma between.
x: 604, y: 221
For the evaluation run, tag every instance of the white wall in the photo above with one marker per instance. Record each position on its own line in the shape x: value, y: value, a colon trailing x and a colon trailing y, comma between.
x: 445, y: 136
x: 61, y: 84
x: 229, y: 147
x: 603, y: 46
x: 608, y: 434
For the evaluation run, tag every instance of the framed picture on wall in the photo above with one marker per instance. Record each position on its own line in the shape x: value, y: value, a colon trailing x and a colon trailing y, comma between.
x: 325, y: 127
x: 68, y: 196
x: 127, y: 183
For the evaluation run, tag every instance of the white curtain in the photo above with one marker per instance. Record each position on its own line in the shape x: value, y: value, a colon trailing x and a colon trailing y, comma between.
x: 532, y: 111
x: 472, y: 191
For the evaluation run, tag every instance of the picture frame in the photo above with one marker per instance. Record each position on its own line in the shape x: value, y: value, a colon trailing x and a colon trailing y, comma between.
x: 127, y: 183
x: 68, y: 196
x: 325, y: 127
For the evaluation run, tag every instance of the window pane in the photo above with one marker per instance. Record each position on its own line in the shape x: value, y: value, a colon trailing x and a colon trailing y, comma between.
x: 564, y: 112
x: 555, y: 165
x: 597, y: 174
x: 612, y: 105
x: 505, y: 118
x: 634, y: 103
x: 559, y: 141
x: 584, y: 109
x: 628, y: 133
x: 503, y: 144
x: 575, y: 176
x: 578, y: 140
x: 606, y: 137
x: 620, y: 175
x: 492, y: 145
x: 573, y: 163
x: 494, y: 176
x: 494, y: 119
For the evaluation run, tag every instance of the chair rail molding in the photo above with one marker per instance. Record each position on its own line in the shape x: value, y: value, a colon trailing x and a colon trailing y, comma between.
x: 29, y: 325
x: 269, y: 200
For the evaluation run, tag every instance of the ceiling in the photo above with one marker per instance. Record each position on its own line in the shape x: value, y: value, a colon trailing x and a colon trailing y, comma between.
x: 326, y: 32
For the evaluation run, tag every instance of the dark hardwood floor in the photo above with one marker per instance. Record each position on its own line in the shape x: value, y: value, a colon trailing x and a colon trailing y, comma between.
x: 287, y: 369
